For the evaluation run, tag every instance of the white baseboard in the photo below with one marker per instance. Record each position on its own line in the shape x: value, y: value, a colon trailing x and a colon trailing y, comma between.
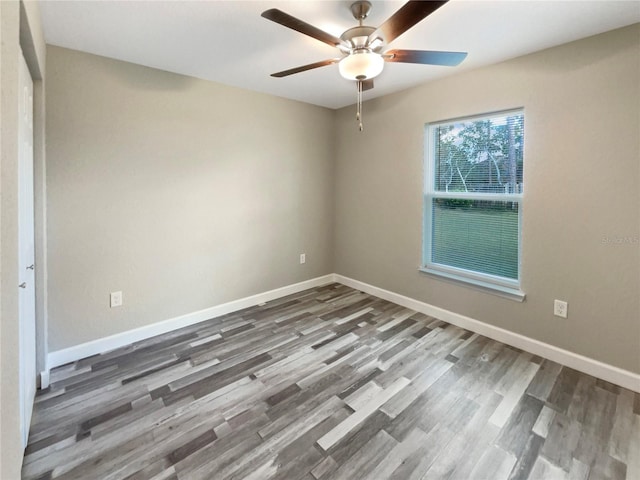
x: 44, y: 379
x: 584, y: 364
x: 101, y: 345
x: 598, y: 369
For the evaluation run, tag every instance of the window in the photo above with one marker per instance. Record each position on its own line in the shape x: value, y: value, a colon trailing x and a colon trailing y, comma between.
x: 473, y: 200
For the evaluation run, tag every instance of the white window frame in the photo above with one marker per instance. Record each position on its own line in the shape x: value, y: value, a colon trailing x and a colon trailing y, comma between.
x: 505, y: 287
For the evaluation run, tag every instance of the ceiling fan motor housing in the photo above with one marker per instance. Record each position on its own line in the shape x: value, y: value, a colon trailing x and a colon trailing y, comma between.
x: 357, y: 37
x: 362, y: 61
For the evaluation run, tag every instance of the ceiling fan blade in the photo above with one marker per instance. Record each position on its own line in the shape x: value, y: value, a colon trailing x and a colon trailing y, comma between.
x: 304, y: 68
x: 409, y: 14
x: 425, y: 57
x: 367, y: 84
x: 298, y: 25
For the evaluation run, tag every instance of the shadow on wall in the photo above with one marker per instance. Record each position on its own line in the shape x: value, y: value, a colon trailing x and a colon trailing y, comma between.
x: 600, y: 49
x: 145, y: 78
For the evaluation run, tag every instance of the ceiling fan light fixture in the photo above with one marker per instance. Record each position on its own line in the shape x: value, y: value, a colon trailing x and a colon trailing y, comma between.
x: 362, y: 65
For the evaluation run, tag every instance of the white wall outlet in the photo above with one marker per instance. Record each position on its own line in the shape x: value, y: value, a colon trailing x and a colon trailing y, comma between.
x: 560, y: 308
x: 303, y: 258
x: 115, y: 299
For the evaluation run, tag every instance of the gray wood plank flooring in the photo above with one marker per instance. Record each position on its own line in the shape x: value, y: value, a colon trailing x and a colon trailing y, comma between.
x: 329, y: 383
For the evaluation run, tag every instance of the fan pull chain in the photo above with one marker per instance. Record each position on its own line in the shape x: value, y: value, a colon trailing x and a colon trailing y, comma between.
x: 359, y: 106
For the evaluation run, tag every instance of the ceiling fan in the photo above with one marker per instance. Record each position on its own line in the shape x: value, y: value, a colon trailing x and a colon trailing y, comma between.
x: 363, y: 47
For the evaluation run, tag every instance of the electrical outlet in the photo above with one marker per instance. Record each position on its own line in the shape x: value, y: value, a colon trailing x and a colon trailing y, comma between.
x: 115, y: 299
x: 303, y: 258
x: 560, y: 308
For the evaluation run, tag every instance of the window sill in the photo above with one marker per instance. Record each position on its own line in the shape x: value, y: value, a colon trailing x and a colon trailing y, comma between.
x: 487, y: 287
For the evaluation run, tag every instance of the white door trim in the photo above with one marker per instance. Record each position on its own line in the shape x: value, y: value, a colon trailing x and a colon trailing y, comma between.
x: 26, y: 260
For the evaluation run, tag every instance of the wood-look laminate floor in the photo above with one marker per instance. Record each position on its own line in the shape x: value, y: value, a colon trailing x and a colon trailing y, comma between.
x: 330, y: 383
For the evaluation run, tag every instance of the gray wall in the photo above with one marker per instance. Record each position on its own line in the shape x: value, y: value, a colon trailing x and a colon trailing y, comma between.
x: 582, y: 177
x: 179, y: 192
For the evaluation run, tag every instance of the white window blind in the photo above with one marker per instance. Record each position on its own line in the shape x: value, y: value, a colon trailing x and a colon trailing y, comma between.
x: 473, y: 198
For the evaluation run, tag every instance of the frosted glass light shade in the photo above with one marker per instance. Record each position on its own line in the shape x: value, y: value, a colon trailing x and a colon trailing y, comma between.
x: 361, y: 66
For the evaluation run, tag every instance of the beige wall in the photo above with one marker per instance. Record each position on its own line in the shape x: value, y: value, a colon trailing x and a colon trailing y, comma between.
x: 582, y: 177
x: 182, y: 193
x: 19, y: 28
x: 10, y: 456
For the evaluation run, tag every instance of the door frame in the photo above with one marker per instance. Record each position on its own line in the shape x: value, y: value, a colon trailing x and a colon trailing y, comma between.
x: 33, y: 47
x: 26, y: 249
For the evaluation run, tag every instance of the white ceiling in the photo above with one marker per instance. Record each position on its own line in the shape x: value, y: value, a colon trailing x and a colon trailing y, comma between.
x: 229, y: 42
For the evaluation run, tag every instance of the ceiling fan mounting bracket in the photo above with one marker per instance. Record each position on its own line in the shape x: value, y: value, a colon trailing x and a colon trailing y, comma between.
x: 360, y: 10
